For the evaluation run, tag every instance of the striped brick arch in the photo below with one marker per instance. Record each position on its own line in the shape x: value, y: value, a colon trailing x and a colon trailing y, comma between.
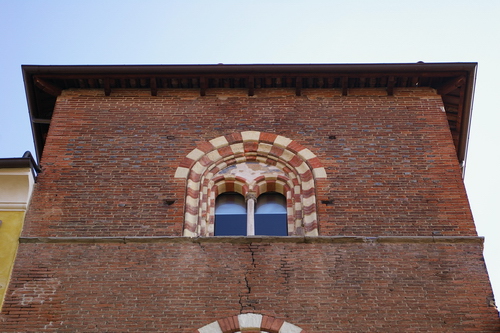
x: 250, y: 323
x: 205, y: 167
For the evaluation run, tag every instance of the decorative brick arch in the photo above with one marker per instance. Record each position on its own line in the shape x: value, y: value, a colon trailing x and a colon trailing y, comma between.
x: 250, y: 322
x: 300, y: 168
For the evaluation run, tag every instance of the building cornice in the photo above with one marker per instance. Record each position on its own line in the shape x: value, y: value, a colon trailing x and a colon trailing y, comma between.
x: 255, y: 239
x: 17, y: 179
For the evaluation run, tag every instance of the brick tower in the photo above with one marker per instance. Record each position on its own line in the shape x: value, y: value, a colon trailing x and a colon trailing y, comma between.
x: 249, y: 198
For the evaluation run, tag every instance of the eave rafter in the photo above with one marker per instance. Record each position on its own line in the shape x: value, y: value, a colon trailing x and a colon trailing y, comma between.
x: 390, y: 86
x: 40, y: 121
x: 47, y: 87
x: 154, y: 88
x: 251, y: 86
x: 107, y: 87
x: 203, y: 86
x: 345, y: 87
x: 451, y: 85
x: 298, y: 86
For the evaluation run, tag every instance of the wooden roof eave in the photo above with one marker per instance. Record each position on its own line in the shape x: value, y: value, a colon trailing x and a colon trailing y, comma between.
x: 466, y: 116
x: 52, y: 80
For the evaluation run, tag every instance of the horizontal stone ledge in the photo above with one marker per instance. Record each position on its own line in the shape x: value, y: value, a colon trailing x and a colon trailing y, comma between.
x: 13, y: 206
x: 255, y: 239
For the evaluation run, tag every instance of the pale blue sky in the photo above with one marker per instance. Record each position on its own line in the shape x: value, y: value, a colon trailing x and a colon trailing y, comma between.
x: 288, y: 31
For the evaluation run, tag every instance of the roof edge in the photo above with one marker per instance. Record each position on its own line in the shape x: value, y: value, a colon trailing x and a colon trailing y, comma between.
x: 31, y: 73
x: 237, y: 68
x: 27, y: 161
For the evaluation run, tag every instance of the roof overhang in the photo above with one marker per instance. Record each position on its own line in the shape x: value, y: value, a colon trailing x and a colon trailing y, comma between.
x: 455, y: 83
x: 27, y: 161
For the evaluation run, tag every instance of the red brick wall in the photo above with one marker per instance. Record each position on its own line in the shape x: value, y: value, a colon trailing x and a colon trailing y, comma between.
x: 109, y: 162
x: 180, y: 287
x: 109, y: 165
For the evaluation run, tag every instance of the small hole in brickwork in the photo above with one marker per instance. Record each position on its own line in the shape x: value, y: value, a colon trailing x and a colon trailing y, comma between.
x: 332, y: 137
x: 327, y: 202
x: 170, y: 137
x: 169, y: 202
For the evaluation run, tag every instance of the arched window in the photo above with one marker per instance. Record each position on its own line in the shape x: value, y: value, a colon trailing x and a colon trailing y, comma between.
x: 270, y: 215
x: 230, y: 215
x: 251, y: 163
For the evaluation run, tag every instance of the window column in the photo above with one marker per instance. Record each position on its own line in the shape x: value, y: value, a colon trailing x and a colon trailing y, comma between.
x: 251, y: 201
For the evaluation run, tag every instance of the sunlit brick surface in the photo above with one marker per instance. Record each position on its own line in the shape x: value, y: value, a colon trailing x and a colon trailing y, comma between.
x: 110, y: 162
x: 125, y: 176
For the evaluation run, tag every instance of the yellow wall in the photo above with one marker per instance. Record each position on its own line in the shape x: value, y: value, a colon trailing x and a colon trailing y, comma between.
x: 10, y: 230
x: 16, y: 187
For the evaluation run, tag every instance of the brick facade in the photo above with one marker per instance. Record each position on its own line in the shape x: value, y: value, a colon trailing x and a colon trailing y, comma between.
x: 344, y: 285
x: 388, y: 243
x: 110, y: 162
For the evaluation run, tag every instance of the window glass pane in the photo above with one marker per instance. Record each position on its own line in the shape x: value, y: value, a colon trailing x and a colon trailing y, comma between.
x: 270, y: 215
x: 230, y: 215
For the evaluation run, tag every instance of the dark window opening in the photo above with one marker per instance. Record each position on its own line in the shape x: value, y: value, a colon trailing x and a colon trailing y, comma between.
x: 270, y: 215
x: 230, y: 215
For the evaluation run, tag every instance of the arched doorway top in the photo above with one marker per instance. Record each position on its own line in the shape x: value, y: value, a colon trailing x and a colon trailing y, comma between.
x: 250, y: 322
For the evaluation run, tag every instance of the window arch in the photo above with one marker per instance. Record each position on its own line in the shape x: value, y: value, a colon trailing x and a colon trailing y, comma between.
x: 250, y: 322
x: 250, y: 163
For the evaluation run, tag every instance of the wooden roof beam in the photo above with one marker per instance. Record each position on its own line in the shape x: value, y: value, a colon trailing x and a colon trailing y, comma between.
x: 203, y: 86
x: 107, y: 87
x: 460, y: 108
x: 449, y: 99
x: 390, y: 86
x: 154, y: 87
x: 331, y: 82
x: 452, y: 85
x: 40, y: 121
x: 47, y: 87
x: 345, y: 85
x: 298, y: 86
x: 251, y: 86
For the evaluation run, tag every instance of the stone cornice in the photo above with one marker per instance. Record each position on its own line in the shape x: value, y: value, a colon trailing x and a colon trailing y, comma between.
x: 255, y: 239
x: 16, y: 187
